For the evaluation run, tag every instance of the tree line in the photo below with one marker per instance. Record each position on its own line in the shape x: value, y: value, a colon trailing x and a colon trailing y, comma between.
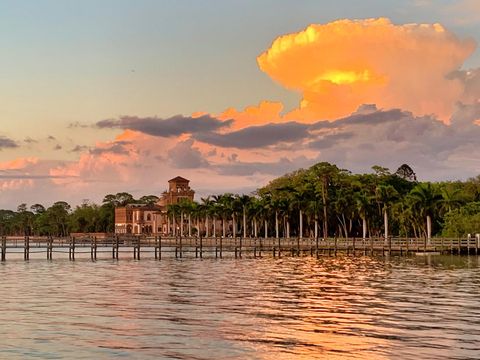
x: 326, y: 201
x: 61, y: 219
x: 321, y: 201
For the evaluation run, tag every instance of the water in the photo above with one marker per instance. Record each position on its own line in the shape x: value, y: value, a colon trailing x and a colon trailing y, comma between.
x: 267, y: 308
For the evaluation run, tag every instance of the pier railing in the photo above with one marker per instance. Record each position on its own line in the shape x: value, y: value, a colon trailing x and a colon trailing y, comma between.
x: 238, y: 247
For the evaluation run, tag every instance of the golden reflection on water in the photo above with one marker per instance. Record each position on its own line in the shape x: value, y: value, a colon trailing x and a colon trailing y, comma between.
x: 302, y: 308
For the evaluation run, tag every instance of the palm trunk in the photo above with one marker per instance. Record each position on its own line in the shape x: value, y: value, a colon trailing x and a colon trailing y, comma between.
x: 234, y: 227
x: 189, y: 225
x: 214, y: 226
x: 301, y: 224
x: 266, y: 228
x: 276, y: 224
x: 168, y: 225
x: 316, y: 229
x: 429, y: 229
x: 385, y: 221
x: 325, y: 218
x: 364, y: 228
x: 288, y: 228
x: 255, y: 227
x: 181, y: 224
x: 223, y: 227
x: 206, y: 226
x: 244, y: 222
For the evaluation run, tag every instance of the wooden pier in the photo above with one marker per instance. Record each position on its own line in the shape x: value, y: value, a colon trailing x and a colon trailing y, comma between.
x: 217, y: 247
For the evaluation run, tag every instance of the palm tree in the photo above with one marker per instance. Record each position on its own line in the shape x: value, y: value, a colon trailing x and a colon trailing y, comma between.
x: 362, y: 203
x: 451, y: 199
x: 186, y: 209
x: 207, y: 205
x: 173, y: 210
x: 324, y: 173
x: 256, y: 211
x: 227, y: 208
x: 276, y: 205
x: 242, y: 202
x: 384, y: 195
x: 427, y: 199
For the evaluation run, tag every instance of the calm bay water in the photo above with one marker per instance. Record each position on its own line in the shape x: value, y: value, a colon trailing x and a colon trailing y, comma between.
x: 300, y: 308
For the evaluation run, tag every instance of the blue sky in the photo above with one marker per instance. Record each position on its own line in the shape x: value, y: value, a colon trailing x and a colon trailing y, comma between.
x: 66, y: 65
x: 67, y: 61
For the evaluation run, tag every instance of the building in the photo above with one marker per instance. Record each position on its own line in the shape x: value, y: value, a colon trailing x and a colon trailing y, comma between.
x: 149, y: 219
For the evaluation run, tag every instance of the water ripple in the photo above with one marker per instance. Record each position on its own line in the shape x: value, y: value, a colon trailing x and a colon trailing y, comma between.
x: 341, y: 307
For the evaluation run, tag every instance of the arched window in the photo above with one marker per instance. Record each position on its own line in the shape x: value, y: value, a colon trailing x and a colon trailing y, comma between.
x: 149, y: 217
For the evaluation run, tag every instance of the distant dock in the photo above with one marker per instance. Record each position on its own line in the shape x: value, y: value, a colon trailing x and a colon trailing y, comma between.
x: 199, y: 247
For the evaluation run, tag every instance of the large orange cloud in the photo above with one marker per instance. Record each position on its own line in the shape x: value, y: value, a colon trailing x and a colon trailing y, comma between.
x: 340, y: 65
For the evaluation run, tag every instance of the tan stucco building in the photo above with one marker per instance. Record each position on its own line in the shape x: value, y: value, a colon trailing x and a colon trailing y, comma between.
x: 152, y: 219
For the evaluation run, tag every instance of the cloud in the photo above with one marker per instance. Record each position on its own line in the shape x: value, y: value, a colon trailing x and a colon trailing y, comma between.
x: 173, y: 126
x: 7, y: 143
x: 346, y: 63
x: 264, y: 112
x: 276, y: 168
x: 79, y: 148
x: 185, y: 156
x: 117, y: 147
x: 18, y: 164
x: 372, y: 93
x: 257, y: 136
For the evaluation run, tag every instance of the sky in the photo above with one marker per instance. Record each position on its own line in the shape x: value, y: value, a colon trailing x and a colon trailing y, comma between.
x: 104, y: 96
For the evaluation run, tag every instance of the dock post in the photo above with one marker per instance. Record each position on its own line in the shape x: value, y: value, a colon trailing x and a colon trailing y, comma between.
x: 336, y: 245
x: 160, y: 247
x: 477, y: 239
x: 389, y: 245
x: 201, y: 246
x: 49, y: 248
x: 117, y: 245
x: 279, y: 248
x: 353, y: 246
x: 73, y: 248
x: 113, y: 246
x: 156, y: 247
x: 4, y: 247
x: 468, y: 243
x: 221, y: 247
x: 134, y: 243
x: 261, y: 248
x: 459, y: 246
x: 180, y: 247
x: 91, y: 248
x: 240, y: 249
x: 26, y: 248
x: 139, y: 245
